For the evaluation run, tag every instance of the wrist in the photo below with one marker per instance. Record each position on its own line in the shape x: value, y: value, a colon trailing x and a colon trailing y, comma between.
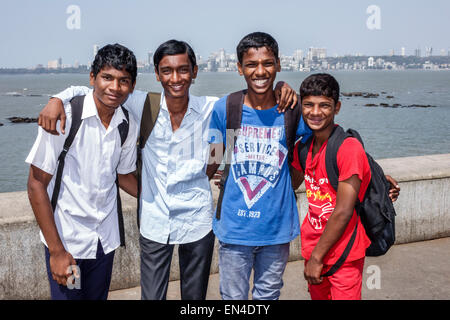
x: 56, y: 250
x: 317, y: 258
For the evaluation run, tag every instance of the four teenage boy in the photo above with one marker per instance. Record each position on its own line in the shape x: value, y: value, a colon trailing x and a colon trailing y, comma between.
x: 176, y: 203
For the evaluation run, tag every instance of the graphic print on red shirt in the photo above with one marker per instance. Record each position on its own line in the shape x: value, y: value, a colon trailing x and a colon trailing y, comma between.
x: 351, y: 160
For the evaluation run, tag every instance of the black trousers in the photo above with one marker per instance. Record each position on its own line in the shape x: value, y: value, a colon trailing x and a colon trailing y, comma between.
x: 195, y: 262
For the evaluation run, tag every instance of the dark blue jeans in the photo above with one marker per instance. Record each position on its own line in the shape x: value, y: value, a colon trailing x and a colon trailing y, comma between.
x: 95, y: 278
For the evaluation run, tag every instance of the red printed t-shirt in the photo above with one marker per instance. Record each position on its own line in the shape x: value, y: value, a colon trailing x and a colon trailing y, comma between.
x: 351, y: 160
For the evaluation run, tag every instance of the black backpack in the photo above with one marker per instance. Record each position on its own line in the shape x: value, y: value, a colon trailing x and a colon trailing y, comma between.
x: 234, y: 104
x: 77, y: 110
x: 150, y: 113
x: 376, y: 211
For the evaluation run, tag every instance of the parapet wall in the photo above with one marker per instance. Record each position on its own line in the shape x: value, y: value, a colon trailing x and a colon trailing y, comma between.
x: 422, y: 213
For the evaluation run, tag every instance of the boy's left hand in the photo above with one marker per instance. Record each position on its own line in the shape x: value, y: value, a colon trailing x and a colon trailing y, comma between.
x: 286, y: 96
x: 394, y: 190
x: 313, y: 271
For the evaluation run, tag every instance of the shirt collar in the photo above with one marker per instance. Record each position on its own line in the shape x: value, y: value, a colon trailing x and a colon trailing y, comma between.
x: 90, y: 110
x: 192, y: 105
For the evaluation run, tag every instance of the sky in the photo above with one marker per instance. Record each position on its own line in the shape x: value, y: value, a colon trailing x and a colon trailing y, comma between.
x: 35, y: 31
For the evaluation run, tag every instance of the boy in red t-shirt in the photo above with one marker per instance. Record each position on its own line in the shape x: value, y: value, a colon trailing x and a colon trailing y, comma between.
x: 331, y: 216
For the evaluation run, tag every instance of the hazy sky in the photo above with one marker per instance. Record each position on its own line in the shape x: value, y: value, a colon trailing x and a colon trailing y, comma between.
x: 35, y: 31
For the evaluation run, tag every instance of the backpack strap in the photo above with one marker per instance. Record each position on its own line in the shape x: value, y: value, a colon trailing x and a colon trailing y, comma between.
x: 124, y: 126
x: 291, y: 121
x: 337, y: 137
x: 150, y: 113
x: 303, y: 149
x: 77, y: 110
x: 234, y: 105
x: 123, y: 131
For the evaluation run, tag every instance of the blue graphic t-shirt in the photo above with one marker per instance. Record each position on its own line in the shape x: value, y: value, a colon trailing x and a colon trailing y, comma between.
x: 259, y: 206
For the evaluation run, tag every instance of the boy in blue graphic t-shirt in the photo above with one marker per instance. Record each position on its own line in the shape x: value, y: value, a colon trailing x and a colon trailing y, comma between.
x: 259, y: 214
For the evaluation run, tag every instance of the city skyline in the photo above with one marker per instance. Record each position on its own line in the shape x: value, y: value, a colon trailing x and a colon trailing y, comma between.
x: 69, y: 29
x: 299, y: 54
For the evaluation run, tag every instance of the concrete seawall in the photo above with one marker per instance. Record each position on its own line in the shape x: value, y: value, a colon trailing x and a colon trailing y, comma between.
x: 422, y: 214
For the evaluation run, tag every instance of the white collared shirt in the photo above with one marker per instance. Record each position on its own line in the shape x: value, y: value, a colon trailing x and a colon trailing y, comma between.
x: 86, y: 209
x: 176, y: 201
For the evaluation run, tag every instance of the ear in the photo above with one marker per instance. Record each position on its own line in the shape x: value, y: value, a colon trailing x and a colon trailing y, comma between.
x: 91, y: 79
x: 239, y: 66
x: 157, y: 75
x: 278, y: 65
x: 194, y: 72
x: 337, y: 107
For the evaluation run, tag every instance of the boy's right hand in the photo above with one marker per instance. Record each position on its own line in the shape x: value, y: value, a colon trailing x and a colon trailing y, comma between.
x: 49, y: 116
x: 60, y: 266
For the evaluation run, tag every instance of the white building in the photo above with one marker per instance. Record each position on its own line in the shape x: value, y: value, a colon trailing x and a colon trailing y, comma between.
x: 95, y: 49
x: 319, y: 53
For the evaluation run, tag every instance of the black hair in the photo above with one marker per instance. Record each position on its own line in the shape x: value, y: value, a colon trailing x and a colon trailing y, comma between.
x: 320, y: 84
x: 116, y: 56
x: 257, y: 40
x: 173, y: 47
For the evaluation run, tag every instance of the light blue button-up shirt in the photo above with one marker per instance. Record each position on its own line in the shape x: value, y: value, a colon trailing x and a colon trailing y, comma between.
x: 176, y: 198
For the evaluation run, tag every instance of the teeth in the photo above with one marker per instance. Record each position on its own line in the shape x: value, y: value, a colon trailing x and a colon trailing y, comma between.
x: 260, y: 82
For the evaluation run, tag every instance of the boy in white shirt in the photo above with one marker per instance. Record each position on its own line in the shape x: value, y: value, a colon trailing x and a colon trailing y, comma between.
x: 81, y: 230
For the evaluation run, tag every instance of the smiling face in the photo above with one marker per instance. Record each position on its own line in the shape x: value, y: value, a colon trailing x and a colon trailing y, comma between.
x: 259, y: 67
x: 111, y: 87
x: 175, y: 73
x: 319, y: 112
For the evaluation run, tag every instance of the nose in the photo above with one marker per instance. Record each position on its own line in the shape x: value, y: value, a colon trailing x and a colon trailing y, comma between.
x: 175, y: 76
x: 315, y: 110
x: 260, y: 71
x: 115, y: 85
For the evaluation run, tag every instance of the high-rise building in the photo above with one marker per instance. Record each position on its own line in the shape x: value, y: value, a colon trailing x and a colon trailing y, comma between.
x: 53, y: 64
x: 371, y: 62
x: 428, y: 51
x: 298, y: 55
x: 417, y: 53
x: 95, y: 48
x: 319, y: 53
x: 222, y: 59
x: 403, y: 51
x: 150, y: 58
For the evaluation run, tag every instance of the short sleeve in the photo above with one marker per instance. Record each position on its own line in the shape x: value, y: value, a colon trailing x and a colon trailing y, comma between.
x: 352, y: 160
x: 135, y: 104
x: 303, y: 131
x: 47, y: 147
x: 128, y: 155
x: 217, y: 126
x: 73, y: 91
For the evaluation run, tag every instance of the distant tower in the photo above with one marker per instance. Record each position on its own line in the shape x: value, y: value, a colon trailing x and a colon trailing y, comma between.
x: 298, y: 55
x: 96, y: 47
x: 150, y: 58
x: 417, y: 53
x: 403, y: 51
x: 222, y: 59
